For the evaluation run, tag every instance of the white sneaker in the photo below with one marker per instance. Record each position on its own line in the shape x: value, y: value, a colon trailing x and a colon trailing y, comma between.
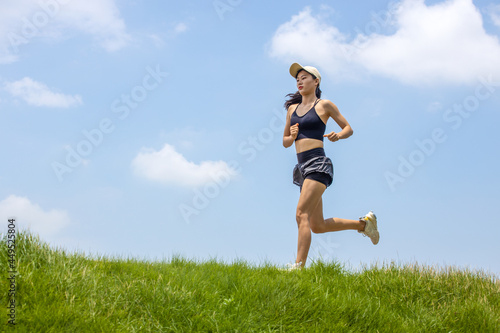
x: 292, y: 267
x: 371, y: 229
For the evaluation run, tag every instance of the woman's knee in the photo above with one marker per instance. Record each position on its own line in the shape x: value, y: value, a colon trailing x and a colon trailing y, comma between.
x: 301, y: 216
x: 317, y: 228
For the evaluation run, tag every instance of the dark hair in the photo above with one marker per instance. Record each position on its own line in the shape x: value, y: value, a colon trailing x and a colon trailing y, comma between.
x: 297, y: 97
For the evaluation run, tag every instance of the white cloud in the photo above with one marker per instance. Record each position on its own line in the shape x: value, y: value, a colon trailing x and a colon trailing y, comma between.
x: 23, y: 20
x: 170, y: 167
x: 180, y: 27
x: 442, y: 43
x: 494, y: 12
x: 12, y: 18
x: 38, y: 94
x: 45, y: 223
x: 308, y: 39
x: 100, y: 18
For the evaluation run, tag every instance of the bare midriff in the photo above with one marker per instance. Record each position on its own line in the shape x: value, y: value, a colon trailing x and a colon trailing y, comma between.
x: 307, y: 144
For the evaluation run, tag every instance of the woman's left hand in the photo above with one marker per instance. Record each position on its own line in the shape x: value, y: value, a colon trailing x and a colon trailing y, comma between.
x: 332, y: 136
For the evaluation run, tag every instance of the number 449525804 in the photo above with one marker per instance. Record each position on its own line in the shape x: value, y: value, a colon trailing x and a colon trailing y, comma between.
x: 11, y: 245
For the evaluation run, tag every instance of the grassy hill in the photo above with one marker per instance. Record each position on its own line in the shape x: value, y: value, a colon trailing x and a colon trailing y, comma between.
x: 67, y: 292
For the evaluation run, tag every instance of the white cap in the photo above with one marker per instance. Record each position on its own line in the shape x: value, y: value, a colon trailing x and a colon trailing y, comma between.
x: 295, y: 68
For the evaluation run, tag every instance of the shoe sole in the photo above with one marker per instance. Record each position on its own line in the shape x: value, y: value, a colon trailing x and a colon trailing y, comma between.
x: 373, y: 219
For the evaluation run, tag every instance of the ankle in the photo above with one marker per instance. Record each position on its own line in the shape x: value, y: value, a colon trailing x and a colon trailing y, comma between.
x: 362, y: 225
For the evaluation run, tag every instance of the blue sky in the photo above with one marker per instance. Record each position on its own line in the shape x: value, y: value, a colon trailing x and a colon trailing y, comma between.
x: 147, y: 128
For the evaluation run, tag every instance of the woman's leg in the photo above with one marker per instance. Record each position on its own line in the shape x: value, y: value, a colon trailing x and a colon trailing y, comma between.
x: 310, y: 196
x: 319, y: 225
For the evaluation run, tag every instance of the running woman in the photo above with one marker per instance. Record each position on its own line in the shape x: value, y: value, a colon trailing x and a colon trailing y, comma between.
x: 305, y: 126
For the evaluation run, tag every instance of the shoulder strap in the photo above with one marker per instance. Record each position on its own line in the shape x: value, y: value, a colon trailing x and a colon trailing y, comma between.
x: 296, y: 107
x: 317, y: 101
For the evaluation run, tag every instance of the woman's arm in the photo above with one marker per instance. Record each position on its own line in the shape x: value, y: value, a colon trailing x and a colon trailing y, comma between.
x: 291, y: 132
x: 334, y: 112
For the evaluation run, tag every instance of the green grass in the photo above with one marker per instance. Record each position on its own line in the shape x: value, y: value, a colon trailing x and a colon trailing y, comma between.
x: 68, y: 292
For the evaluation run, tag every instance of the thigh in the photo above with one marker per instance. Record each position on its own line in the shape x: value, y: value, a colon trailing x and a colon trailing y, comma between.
x: 310, y: 196
x: 321, y: 177
x: 316, y: 217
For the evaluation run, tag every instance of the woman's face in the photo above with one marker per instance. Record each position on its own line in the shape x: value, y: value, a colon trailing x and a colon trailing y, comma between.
x: 305, y: 83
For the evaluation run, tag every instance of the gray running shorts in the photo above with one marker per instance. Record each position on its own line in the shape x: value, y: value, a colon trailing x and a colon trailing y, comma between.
x: 319, y: 168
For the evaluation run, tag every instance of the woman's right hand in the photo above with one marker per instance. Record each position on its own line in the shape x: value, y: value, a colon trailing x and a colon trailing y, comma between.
x: 294, y: 130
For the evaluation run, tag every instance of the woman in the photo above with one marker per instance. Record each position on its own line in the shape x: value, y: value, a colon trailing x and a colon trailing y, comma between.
x: 305, y: 125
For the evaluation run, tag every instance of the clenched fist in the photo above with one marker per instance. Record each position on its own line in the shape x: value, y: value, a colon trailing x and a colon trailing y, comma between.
x: 294, y: 131
x: 332, y: 136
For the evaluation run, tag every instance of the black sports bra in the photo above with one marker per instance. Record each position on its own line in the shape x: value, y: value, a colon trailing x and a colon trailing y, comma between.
x: 310, y: 124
